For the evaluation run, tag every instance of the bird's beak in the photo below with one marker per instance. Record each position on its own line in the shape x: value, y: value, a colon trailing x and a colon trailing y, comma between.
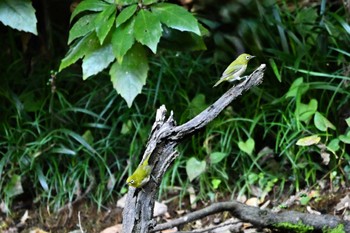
x: 252, y: 57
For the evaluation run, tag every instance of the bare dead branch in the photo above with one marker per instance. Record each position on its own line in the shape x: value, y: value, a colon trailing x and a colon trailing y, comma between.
x: 259, y: 217
x: 164, y: 137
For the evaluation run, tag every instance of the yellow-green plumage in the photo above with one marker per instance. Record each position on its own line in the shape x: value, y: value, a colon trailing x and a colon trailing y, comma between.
x: 141, y: 175
x: 235, y: 69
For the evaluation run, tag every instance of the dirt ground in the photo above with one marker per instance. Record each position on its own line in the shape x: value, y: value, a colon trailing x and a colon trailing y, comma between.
x: 84, y: 216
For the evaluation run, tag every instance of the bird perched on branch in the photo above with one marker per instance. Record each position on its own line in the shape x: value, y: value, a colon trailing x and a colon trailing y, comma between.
x: 141, y: 175
x: 235, y: 69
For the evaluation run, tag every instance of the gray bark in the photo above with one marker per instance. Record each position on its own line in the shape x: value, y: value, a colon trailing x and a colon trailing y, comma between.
x: 164, y: 137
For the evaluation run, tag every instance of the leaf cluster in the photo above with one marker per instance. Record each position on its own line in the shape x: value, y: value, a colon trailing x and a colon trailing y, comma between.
x: 119, y: 33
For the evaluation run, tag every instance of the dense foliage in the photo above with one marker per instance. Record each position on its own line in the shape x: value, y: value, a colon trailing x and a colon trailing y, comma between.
x: 60, y: 135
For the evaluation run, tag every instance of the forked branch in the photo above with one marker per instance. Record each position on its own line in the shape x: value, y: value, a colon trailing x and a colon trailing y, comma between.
x: 164, y: 137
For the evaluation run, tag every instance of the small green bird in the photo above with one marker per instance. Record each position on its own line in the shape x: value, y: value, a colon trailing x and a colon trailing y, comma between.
x: 235, y: 69
x: 141, y: 175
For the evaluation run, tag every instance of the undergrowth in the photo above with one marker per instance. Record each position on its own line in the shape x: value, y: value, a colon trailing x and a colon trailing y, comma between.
x: 61, y: 136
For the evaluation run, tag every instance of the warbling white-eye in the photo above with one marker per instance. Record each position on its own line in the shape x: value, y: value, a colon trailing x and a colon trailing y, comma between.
x: 141, y: 175
x: 235, y: 69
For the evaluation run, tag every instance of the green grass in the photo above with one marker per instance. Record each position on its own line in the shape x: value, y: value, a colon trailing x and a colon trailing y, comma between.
x: 55, y: 145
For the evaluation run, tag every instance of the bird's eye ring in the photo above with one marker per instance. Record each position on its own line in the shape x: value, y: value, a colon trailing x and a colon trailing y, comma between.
x: 131, y: 181
x: 247, y: 57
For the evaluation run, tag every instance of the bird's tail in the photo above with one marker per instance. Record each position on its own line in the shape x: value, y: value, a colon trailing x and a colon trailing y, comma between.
x: 218, y: 82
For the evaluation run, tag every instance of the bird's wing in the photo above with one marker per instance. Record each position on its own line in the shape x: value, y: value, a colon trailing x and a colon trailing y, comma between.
x: 231, y: 70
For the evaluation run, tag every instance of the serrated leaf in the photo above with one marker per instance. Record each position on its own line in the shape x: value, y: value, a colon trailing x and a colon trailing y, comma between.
x: 89, y: 5
x: 123, y: 39
x: 126, y: 2
x: 84, y: 46
x: 176, y: 17
x: 309, y: 140
x: 82, y: 27
x: 195, y: 168
x: 216, y: 157
x: 129, y: 77
x: 345, y: 138
x: 125, y: 14
x: 147, y: 29
x: 149, y: 2
x: 104, y: 22
x: 18, y: 14
x: 97, y: 61
x: 247, y: 146
x: 306, y: 111
x: 322, y: 123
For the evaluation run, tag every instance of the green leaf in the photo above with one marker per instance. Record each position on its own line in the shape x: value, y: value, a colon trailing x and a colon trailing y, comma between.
x: 347, y: 120
x: 305, y: 199
x: 216, y: 157
x: 176, y: 17
x: 149, y: 2
x: 298, y: 87
x: 333, y: 145
x: 84, y: 46
x: 14, y: 187
x: 89, y: 5
x: 252, y: 178
x: 82, y: 27
x: 305, y: 20
x: 194, y: 168
x: 306, y: 111
x: 345, y: 138
x: 79, y: 139
x: 18, y: 14
x: 148, y: 29
x: 308, y: 141
x: 215, y: 183
x: 247, y: 146
x: 97, y: 61
x: 126, y: 2
x: 197, y: 105
x: 322, y: 123
x: 275, y: 70
x: 65, y: 151
x: 341, y: 20
x: 42, y: 179
x: 104, y: 22
x: 88, y: 137
x: 123, y: 39
x: 129, y: 77
x: 125, y: 14
x: 126, y: 127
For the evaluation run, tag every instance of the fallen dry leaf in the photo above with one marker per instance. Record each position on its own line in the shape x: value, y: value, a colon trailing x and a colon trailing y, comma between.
x: 253, y: 202
x: 113, y: 229
x: 343, y: 204
x: 311, y: 211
